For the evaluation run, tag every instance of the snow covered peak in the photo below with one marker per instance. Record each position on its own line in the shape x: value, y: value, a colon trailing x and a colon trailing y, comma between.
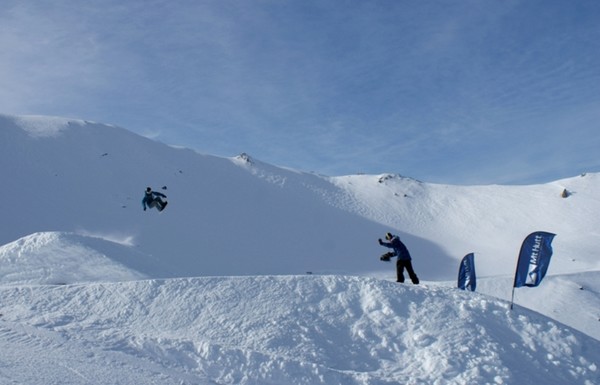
x: 42, y: 126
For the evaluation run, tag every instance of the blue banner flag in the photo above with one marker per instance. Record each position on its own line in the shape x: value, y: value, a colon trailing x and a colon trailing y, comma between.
x: 466, y: 273
x: 534, y: 259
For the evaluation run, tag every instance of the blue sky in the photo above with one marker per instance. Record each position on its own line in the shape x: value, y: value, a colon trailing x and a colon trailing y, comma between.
x: 444, y: 91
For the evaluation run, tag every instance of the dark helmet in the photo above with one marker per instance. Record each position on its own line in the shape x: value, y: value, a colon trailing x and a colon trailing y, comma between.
x: 148, y: 190
x: 388, y: 236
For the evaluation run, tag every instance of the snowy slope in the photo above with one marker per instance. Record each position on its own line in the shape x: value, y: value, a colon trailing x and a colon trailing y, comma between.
x: 82, y: 268
x: 225, y: 216
x: 491, y: 221
x: 89, y: 178
x: 282, y: 330
x: 573, y: 299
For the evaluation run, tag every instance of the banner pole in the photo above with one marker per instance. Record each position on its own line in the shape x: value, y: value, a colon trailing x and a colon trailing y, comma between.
x: 512, y: 298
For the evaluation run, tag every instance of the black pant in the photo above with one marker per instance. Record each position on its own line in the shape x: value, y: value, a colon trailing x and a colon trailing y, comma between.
x: 157, y: 202
x: 400, y: 265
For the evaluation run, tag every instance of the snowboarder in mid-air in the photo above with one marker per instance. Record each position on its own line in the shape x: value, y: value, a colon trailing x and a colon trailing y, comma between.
x: 153, y: 199
x: 404, y: 259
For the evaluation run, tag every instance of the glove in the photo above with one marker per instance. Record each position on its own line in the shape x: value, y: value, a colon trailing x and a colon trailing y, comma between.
x: 380, y: 241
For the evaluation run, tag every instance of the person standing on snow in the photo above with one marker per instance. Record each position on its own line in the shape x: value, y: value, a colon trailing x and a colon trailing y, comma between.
x: 404, y: 259
x: 152, y: 199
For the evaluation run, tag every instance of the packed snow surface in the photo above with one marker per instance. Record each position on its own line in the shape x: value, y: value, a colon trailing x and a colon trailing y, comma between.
x: 257, y: 274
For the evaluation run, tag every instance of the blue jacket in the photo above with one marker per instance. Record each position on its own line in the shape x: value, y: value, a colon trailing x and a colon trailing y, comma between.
x: 400, y: 249
x: 149, y: 198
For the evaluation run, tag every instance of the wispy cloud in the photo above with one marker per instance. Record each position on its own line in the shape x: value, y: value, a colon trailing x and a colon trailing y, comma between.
x: 441, y: 91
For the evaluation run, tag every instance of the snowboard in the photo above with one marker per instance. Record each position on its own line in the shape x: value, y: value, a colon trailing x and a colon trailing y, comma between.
x: 164, y: 206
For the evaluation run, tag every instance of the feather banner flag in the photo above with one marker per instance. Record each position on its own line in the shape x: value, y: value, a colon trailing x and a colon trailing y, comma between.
x: 466, y: 273
x: 534, y: 259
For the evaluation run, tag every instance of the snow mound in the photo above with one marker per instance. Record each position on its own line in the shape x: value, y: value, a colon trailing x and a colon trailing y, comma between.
x: 293, y: 330
x: 63, y: 258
